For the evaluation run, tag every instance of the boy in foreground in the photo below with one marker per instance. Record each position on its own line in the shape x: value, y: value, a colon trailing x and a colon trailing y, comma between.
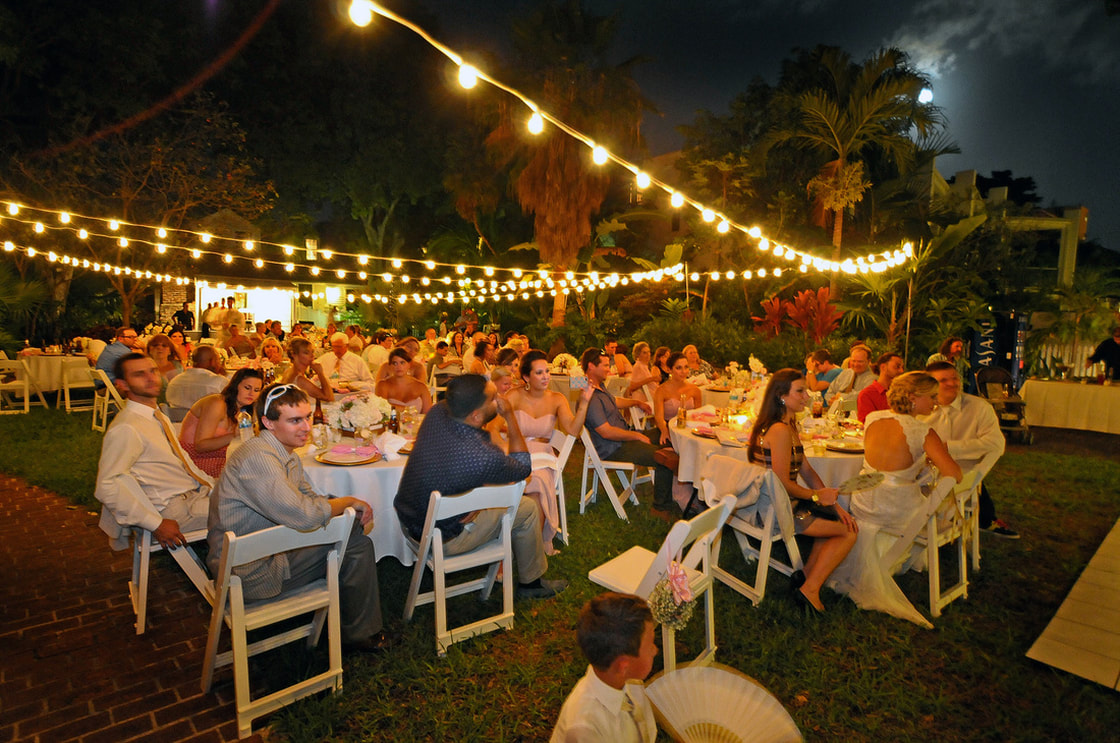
x: 616, y: 635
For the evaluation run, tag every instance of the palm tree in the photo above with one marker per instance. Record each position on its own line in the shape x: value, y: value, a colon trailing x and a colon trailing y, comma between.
x: 851, y: 111
x: 563, y: 49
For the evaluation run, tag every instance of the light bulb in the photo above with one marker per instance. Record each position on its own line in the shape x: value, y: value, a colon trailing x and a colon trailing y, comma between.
x: 598, y: 155
x: 468, y: 76
x: 642, y: 181
x: 536, y: 123
x: 708, y: 215
x: 723, y: 227
x: 676, y: 200
x: 361, y: 14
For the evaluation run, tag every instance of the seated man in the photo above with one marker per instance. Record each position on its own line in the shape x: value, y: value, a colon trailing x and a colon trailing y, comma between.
x: 616, y: 635
x: 377, y: 352
x: 238, y: 343
x: 264, y: 485
x: 144, y: 478
x: 613, y: 438
x: 851, y: 381
x: 970, y: 429
x: 453, y: 454
x: 820, y: 371
x: 343, y: 365
x: 207, y: 376
x: 123, y: 345
x: 874, y: 396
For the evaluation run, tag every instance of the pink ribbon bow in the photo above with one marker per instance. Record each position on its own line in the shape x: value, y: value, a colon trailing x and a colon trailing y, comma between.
x: 678, y: 583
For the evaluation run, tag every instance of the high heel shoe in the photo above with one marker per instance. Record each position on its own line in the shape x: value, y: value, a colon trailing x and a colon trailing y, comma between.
x: 796, y: 580
x: 803, y: 600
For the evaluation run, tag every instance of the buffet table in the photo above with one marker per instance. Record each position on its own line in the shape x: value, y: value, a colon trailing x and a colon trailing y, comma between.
x: 1087, y: 407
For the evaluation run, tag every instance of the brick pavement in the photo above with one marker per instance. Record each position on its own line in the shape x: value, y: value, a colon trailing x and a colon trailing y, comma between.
x: 72, y: 667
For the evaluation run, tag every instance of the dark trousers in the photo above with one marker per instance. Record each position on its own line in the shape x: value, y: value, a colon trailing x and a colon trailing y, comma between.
x: 987, y: 512
x: 641, y: 452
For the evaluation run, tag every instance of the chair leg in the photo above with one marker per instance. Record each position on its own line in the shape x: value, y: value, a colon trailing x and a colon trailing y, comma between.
x: 562, y: 507
x: 138, y: 586
x: 669, y: 647
x: 443, y: 637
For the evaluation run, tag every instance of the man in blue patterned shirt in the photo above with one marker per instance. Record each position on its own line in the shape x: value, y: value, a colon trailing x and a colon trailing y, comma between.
x: 453, y: 454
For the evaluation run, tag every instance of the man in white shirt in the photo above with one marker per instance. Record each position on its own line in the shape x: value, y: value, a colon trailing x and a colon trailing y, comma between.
x: 144, y: 478
x: 377, y: 353
x: 232, y: 316
x: 343, y: 365
x: 851, y: 381
x: 207, y: 376
x: 970, y: 429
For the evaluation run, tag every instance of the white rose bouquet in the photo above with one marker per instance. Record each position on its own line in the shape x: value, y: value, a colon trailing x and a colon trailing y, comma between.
x: 756, y: 366
x: 357, y: 412
x: 565, y: 363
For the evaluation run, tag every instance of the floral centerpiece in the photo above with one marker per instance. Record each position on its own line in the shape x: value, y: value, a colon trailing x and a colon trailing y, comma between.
x: 756, y: 366
x: 565, y: 363
x: 357, y: 412
x: 737, y: 376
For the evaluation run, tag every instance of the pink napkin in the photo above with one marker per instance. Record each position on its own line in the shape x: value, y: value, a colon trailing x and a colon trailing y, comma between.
x: 363, y: 451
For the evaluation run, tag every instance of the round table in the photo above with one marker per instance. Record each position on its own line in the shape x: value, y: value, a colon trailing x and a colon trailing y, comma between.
x: 48, y: 370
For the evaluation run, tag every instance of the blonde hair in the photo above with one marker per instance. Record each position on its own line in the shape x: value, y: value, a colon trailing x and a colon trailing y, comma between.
x: 906, y: 386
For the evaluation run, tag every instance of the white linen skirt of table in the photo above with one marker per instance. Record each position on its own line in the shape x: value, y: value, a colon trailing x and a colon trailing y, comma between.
x: 833, y: 467
x: 716, y: 397
x: 49, y: 371
x: 1088, y: 407
x: 377, y: 485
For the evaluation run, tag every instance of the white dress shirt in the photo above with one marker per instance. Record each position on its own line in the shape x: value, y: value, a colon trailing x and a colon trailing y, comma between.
x: 350, y: 368
x: 848, y: 377
x: 375, y: 355
x: 139, y: 473
x: 192, y: 385
x: 969, y: 427
x: 595, y: 711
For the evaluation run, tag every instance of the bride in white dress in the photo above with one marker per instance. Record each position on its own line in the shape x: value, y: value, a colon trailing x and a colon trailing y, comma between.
x: 901, y: 448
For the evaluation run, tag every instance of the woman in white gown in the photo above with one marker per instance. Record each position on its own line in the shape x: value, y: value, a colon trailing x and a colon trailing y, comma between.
x: 901, y: 448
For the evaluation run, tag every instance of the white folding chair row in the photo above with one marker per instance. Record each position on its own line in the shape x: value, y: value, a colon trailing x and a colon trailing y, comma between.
x: 103, y: 397
x: 627, y: 472
x: 77, y: 378
x: 17, y: 385
x: 320, y: 598
x: 637, y: 571
x: 497, y: 552
x: 943, y: 522
x: 142, y: 549
x: 763, y: 516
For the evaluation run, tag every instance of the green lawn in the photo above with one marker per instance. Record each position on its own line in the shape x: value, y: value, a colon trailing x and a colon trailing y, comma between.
x: 852, y: 675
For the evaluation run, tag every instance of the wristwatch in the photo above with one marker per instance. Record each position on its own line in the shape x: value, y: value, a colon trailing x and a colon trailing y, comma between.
x: 815, y: 498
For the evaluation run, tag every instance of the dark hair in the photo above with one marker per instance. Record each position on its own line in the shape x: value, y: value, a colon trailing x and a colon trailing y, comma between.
x: 506, y: 355
x: 883, y: 358
x: 380, y: 336
x: 612, y: 625
x: 589, y: 358
x: 118, y: 365
x: 178, y: 329
x: 229, y: 394
x: 947, y: 346
x: 122, y: 330
x: 821, y: 355
x: 465, y: 394
x: 661, y: 351
x: 509, y: 335
x: 673, y: 359
x: 480, y: 350
x: 400, y: 353
x: 202, y: 355
x: 936, y: 366
x: 772, y: 408
x: 528, y: 359
x: 462, y: 341
x: 291, y: 395
x: 441, y: 344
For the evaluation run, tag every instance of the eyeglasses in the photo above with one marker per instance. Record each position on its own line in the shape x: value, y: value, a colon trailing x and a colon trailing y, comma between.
x: 275, y: 393
x: 131, y: 336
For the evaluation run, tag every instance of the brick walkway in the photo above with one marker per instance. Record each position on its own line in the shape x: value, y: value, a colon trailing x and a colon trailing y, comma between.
x: 72, y: 666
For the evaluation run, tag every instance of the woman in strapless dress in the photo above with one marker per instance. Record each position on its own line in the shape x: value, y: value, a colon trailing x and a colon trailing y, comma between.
x: 540, y: 411
x: 402, y: 390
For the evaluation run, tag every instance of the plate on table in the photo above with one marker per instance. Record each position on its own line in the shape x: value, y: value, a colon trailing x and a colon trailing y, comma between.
x: 347, y: 459
x: 704, y: 432
x: 848, y: 446
x: 407, y: 448
x: 865, y: 481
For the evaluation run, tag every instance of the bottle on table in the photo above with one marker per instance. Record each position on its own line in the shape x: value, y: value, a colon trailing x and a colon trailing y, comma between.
x: 318, y: 418
x: 244, y: 425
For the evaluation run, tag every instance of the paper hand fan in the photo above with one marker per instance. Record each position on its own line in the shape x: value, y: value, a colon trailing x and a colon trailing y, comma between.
x: 718, y: 704
x: 865, y: 481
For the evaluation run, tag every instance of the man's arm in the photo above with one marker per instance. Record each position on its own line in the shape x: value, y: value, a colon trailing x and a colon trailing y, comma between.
x: 264, y: 486
x: 843, y: 380
x: 116, y: 488
x: 979, y: 433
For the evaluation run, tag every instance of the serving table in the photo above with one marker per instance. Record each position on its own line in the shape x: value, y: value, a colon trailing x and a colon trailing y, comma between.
x: 1087, y: 407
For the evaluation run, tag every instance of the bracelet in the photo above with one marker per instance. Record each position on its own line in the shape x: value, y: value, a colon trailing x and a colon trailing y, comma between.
x: 814, y: 497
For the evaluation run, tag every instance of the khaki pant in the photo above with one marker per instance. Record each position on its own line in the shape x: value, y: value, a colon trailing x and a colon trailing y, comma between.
x: 528, y: 547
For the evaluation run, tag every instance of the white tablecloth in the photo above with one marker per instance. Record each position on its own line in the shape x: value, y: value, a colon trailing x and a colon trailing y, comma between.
x: 48, y: 371
x: 1088, y: 407
x: 377, y: 485
x: 833, y: 467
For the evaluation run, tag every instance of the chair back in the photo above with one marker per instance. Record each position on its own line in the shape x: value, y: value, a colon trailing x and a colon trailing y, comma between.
x: 943, y: 489
x: 99, y: 376
x: 697, y: 534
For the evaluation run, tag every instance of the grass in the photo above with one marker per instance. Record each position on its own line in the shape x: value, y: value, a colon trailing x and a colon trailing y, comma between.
x: 853, y: 675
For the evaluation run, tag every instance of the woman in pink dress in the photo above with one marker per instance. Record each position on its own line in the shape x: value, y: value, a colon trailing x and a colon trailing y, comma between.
x: 402, y: 390
x: 667, y: 398
x: 539, y: 412
x: 211, y: 423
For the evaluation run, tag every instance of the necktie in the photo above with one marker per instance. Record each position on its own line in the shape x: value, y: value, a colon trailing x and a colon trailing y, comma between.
x: 631, y: 711
x: 173, y: 441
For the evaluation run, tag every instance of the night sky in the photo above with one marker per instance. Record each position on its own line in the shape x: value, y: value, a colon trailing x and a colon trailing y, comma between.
x: 1029, y: 86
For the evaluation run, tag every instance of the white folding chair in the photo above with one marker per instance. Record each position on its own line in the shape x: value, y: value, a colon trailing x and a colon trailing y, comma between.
x: 142, y: 549
x: 599, y: 469
x: 972, y: 509
x: 943, y: 522
x: 17, y: 391
x: 767, y: 518
x: 76, y: 377
x: 103, y: 397
x: 637, y: 571
x: 320, y: 598
x: 561, y: 444
x: 638, y: 417
x: 498, y: 551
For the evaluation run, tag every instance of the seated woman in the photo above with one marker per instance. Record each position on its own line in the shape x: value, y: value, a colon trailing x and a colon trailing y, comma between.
x: 458, y: 345
x: 181, y: 345
x: 212, y: 421
x: 417, y: 369
x: 539, y: 411
x: 775, y: 444
x: 272, y: 351
x: 622, y: 361
x: 669, y: 395
x: 509, y: 359
x: 162, y: 351
x: 483, y: 358
x: 897, y: 445
x: 402, y: 390
x: 696, y: 365
x: 644, y: 373
x: 660, y: 362
x: 305, y: 372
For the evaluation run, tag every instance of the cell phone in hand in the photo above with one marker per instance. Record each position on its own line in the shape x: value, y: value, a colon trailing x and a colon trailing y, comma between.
x: 577, y: 383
